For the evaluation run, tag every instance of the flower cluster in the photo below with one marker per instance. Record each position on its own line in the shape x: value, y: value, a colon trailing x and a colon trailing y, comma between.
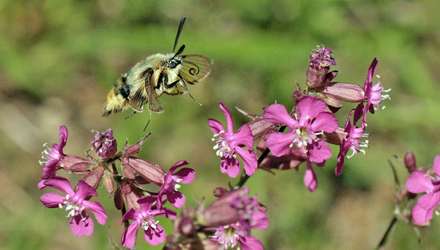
x: 130, y: 192
x: 311, y: 125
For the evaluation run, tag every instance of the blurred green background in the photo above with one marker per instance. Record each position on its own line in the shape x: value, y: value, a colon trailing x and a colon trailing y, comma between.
x: 59, y: 59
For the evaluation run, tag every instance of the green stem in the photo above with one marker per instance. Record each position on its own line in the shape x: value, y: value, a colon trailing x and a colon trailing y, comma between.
x: 387, y: 233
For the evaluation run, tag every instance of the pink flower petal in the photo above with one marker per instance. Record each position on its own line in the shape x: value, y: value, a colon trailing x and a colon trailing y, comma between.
x: 59, y: 183
x: 85, y: 190
x: 419, y: 182
x: 421, y: 215
x: 279, y: 143
x: 129, y: 237
x: 319, y: 151
x: 216, y: 126
x: 230, y: 166
x: 176, y: 198
x: 187, y: 175
x: 326, y: 122
x: 156, y: 236
x: 97, y: 209
x: 52, y: 200
x: 243, y: 137
x: 310, y: 179
x: 310, y: 107
x: 251, y: 243
x: 277, y: 113
x: 230, y: 124
x: 429, y: 201
x: 81, y: 227
x: 249, y: 160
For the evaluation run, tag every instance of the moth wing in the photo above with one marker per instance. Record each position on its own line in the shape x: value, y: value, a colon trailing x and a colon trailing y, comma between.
x: 154, y: 105
x: 194, y: 69
x: 139, y: 95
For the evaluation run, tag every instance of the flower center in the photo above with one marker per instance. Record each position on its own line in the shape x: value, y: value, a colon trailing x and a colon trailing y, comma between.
x: 149, y: 222
x: 73, y: 208
x: 222, y: 147
x: 228, y: 237
x: 303, y: 137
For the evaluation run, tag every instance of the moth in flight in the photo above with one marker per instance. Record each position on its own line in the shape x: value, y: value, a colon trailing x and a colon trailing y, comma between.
x: 157, y: 74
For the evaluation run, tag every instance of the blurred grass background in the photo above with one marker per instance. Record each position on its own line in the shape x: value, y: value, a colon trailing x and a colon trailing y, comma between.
x: 59, y: 59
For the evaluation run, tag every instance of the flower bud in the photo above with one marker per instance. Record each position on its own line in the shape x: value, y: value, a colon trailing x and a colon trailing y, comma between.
x: 105, y: 144
x: 410, y: 162
x: 94, y: 177
x: 319, y: 65
x: 348, y: 92
x: 108, y: 181
x: 148, y: 170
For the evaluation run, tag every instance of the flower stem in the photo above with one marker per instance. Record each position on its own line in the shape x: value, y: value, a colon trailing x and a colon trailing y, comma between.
x: 387, y: 233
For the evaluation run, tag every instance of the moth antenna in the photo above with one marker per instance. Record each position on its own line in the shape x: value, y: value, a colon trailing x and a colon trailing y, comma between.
x: 149, y: 119
x: 182, y: 21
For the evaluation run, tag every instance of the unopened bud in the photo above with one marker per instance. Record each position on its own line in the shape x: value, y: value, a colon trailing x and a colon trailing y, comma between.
x: 94, y: 177
x: 348, y: 92
x: 410, y: 162
x: 108, y: 182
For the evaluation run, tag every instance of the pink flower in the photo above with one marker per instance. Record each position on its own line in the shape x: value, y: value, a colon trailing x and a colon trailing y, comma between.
x: 310, y: 120
x: 351, y: 141
x: 421, y: 182
x: 76, y: 204
x: 373, y: 94
x: 154, y: 233
x: 105, y: 144
x: 233, y: 234
x: 52, y: 156
x: 171, y: 185
x: 229, y: 145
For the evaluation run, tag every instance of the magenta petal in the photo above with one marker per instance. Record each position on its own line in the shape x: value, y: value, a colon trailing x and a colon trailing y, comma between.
x: 130, y: 215
x: 419, y: 182
x: 429, y: 201
x: 421, y: 215
x: 176, y: 198
x: 310, y: 107
x: 310, y: 179
x: 216, y: 126
x: 81, y: 227
x: 243, y: 137
x: 178, y: 164
x: 261, y: 220
x: 326, y: 122
x: 97, y: 209
x: 249, y: 160
x: 229, y: 123
x: 436, y: 165
x: 187, y: 175
x: 129, y: 236
x: 63, y: 137
x: 277, y: 113
x: 250, y: 243
x: 61, y: 184
x: 230, y: 166
x: 52, y: 200
x: 85, y: 190
x: 319, y: 151
x: 156, y: 236
x: 279, y: 143
x: 344, y: 147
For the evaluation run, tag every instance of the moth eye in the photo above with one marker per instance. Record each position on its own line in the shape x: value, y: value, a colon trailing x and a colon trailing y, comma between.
x: 173, y: 64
